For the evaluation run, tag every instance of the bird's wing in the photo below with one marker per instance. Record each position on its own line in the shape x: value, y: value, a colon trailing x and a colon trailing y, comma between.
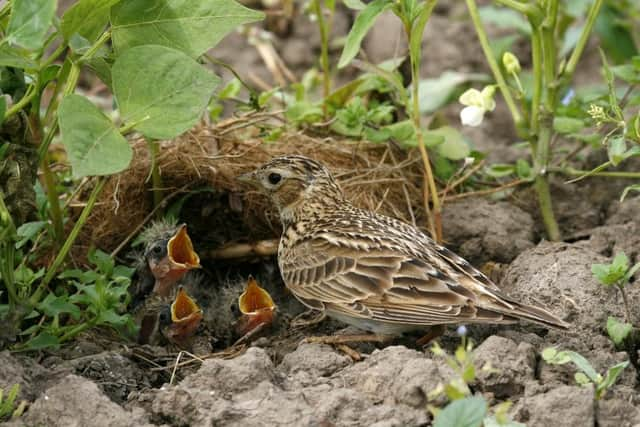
x: 363, y: 278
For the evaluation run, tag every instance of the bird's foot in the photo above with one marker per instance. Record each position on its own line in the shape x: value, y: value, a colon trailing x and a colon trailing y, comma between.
x: 344, y: 339
x: 434, y: 332
x: 307, y: 319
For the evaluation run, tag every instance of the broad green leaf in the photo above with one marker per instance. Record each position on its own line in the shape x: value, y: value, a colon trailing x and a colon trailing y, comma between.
x: 15, y: 57
x: 434, y: 93
x: 354, y: 4
x: 567, y: 124
x: 29, y: 22
x: 94, y: 145
x: 499, y: 170
x: 41, y: 341
x: 28, y: 231
x: 582, y: 364
x: 618, y: 331
x: 554, y: 357
x: 616, y: 150
x: 502, y: 17
x: 361, y: 26
x: 611, y: 377
x: 55, y: 305
x: 454, y: 146
x: 523, y: 169
x: 192, y: 27
x: 615, y: 38
x: 467, y: 412
x: 627, y: 72
x: 629, y: 274
x: 102, y: 260
x: 605, y: 274
x: 102, y: 69
x: 88, y: 18
x: 169, y: 103
x: 3, y: 110
x: 581, y: 378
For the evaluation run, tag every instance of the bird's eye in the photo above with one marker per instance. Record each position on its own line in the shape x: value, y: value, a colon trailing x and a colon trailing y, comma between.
x: 157, y: 250
x: 274, y: 178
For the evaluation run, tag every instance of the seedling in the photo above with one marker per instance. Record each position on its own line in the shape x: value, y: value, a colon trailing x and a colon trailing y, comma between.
x: 617, y: 274
x: 587, y: 374
x: 8, y: 408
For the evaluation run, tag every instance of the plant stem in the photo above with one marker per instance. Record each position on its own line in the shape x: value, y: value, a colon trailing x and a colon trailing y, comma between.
x: 56, y: 53
x: 578, y: 172
x: 7, y: 248
x: 53, y: 198
x: 324, y: 53
x: 536, y: 60
x: 18, y: 106
x: 627, y: 310
x: 429, y: 184
x: 57, y: 262
x: 156, y: 179
x: 532, y: 11
x: 582, y: 41
x: 76, y: 330
x: 493, y: 64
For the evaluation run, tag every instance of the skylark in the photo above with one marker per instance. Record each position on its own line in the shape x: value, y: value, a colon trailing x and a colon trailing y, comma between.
x: 369, y: 270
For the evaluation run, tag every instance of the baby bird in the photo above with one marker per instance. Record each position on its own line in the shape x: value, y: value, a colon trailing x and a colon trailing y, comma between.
x: 369, y: 270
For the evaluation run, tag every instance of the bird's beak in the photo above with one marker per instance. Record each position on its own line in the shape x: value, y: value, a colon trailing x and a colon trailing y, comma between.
x: 257, y: 308
x: 248, y: 178
x: 186, y: 316
x: 181, y: 257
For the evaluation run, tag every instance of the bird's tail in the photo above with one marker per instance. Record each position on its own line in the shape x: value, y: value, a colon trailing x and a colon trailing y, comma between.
x: 537, y: 315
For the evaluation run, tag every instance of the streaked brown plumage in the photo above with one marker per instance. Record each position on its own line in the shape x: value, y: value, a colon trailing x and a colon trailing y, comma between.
x: 369, y: 270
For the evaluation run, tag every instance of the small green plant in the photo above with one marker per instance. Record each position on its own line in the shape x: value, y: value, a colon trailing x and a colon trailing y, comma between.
x: 617, y: 274
x: 100, y: 299
x: 8, y: 408
x: 586, y: 375
x: 465, y: 409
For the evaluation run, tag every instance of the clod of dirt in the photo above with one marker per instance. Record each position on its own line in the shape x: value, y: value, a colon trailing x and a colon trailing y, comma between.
x: 396, y: 375
x: 116, y: 374
x: 75, y: 401
x: 250, y: 391
x: 617, y: 413
x: 558, y: 276
x: 20, y: 370
x: 481, y: 230
x: 510, y: 365
x: 313, y: 360
x: 569, y: 406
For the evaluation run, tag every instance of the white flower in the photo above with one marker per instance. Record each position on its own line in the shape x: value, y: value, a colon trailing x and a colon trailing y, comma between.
x: 477, y: 103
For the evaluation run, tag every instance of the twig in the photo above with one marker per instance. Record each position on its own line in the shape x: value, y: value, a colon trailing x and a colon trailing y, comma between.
x: 488, y: 191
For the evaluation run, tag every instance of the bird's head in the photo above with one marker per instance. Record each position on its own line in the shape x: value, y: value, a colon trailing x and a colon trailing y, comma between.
x: 292, y: 181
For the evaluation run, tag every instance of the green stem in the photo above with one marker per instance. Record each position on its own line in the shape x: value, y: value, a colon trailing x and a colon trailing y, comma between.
x: 53, y: 198
x: 96, y: 45
x: 493, y: 63
x: 56, y: 53
x: 582, y: 41
x: 546, y: 208
x: 76, y: 330
x: 324, y: 53
x: 7, y: 266
x: 538, y: 76
x: 579, y: 172
x: 156, y: 178
x: 18, y: 106
x: 532, y: 11
x: 549, y: 52
x: 57, y: 262
x: 627, y: 311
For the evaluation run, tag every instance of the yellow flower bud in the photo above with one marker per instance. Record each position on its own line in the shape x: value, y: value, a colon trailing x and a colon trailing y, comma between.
x: 511, y: 63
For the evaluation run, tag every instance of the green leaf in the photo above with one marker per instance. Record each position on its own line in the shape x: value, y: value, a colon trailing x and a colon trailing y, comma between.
x: 616, y: 150
x: 42, y: 341
x: 102, y: 68
x: 103, y: 261
x: 627, y: 72
x: 620, y: 262
x: 230, y: 90
x: 629, y: 274
x: 581, y: 378
x: 523, y: 169
x: 354, y: 4
x: 417, y: 29
x: 467, y: 412
x: 93, y: 144
x: 618, y: 331
x: 192, y: 27
x: 3, y: 110
x: 500, y: 170
x: 28, y: 231
x: 29, y: 22
x: 610, y: 377
x: 361, y: 26
x: 505, y: 18
x: 614, y: 36
x: 554, y: 357
x: 454, y: 146
x: 169, y: 103
x: 435, y: 93
x: 88, y: 18
x: 15, y: 57
x: 54, y: 306
x: 582, y: 364
x: 567, y: 125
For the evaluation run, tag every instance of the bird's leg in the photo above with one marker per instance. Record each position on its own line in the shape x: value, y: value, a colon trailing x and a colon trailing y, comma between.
x: 343, y: 339
x: 301, y: 321
x: 434, y: 332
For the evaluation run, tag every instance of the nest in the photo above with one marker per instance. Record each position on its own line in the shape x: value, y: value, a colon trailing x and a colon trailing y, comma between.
x: 198, y: 173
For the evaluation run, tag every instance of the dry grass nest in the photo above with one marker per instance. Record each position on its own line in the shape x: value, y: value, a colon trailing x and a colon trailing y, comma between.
x: 380, y: 177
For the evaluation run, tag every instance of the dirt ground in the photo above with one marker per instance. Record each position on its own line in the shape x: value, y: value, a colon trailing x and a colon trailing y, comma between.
x: 280, y: 380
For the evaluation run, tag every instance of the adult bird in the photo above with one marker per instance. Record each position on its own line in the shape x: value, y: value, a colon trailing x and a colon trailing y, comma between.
x: 369, y: 270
